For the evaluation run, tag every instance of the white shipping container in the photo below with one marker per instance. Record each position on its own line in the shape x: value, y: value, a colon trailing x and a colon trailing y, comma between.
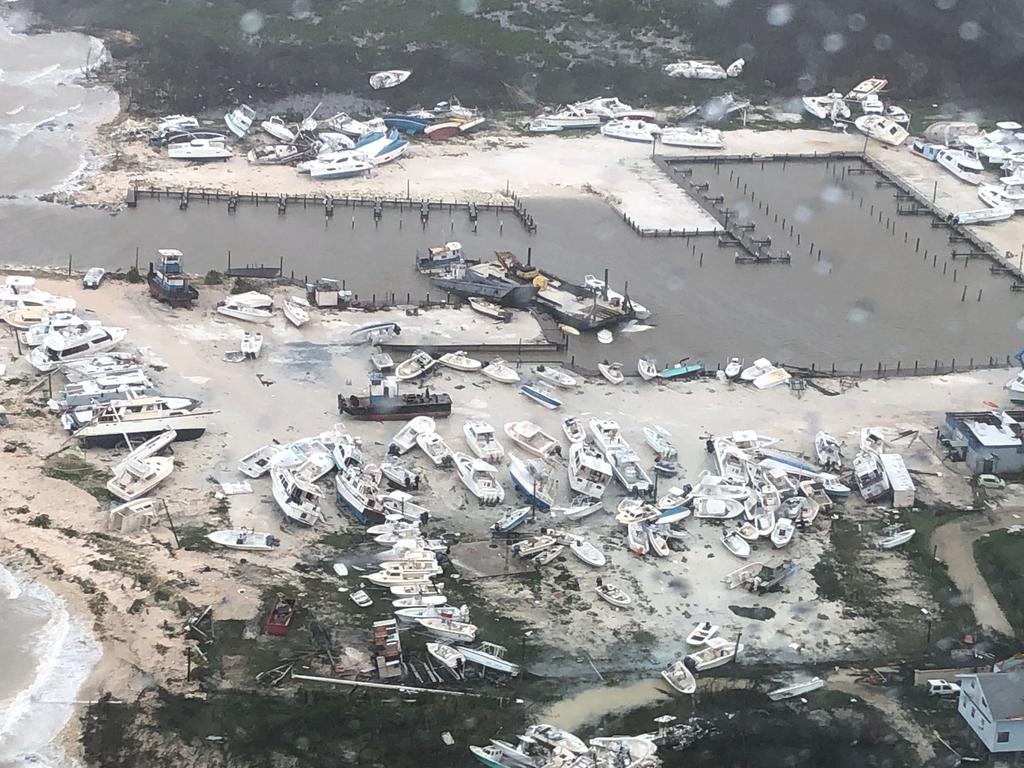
x: 899, y: 480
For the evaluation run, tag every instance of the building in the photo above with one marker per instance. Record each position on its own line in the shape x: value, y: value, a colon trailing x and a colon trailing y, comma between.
x: 992, y: 703
x: 991, y: 442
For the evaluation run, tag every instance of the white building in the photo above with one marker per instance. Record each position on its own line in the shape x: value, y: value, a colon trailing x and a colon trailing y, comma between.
x: 992, y: 703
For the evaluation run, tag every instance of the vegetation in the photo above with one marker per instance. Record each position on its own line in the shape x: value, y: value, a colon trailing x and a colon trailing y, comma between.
x: 74, y: 469
x: 1000, y: 558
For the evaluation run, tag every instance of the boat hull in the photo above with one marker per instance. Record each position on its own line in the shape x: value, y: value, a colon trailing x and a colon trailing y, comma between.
x: 395, y: 408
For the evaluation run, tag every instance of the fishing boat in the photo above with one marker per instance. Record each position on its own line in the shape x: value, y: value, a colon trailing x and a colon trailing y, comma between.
x: 673, y: 506
x: 356, y: 488
x: 658, y: 541
x: 783, y: 532
x: 95, y: 366
x: 612, y: 372
x: 984, y: 215
x: 589, y: 472
x: 199, y: 150
x: 679, y: 676
x: 584, y: 550
x: 607, y: 435
x: 389, y: 78
x: 411, y: 615
x: 239, y: 120
x: 399, y: 578
x: 636, y: 539
x: 296, y: 310
x: 897, y: 539
x: 798, y: 688
x: 435, y: 447
x: 400, y: 503
x: 418, y: 364
x: 531, y: 546
x: 275, y: 127
x: 647, y: 367
x: 659, y: 440
x: 439, y: 259
x: 962, y: 164
x: 257, y: 463
x: 628, y: 470
x: 549, y: 555
x: 244, y: 539
x: 555, y: 376
x: 869, y: 476
x: 718, y: 652
x: 764, y: 521
x: 406, y: 438
x: 710, y: 508
x: 540, y: 396
x: 398, y: 475
x: 135, y: 477
x: 480, y: 437
x: 736, y: 544
x: 531, y: 438
x: 832, y: 106
x: 701, y: 137
x: 500, y: 371
x: 382, y: 361
x: 613, y: 595
x: 761, y: 366
x: 446, y: 656
x: 574, y: 431
x: 252, y: 307
x: 631, y: 130
x: 882, y: 129
x: 385, y: 402
x: 298, y: 500
x: 479, y: 477
x: 66, y: 345
x: 460, y: 361
x: 701, y: 633
x: 828, y: 451
x: 169, y: 284
x: 490, y: 656
x: 420, y: 601
x: 557, y: 738
x: 489, y: 309
x: 534, y: 478
x: 511, y: 519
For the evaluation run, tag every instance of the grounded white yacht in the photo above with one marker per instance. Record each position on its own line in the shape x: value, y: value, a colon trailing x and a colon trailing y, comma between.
x: 572, y: 118
x: 828, y: 107
x: 1002, y: 196
x: 705, y: 138
x: 102, y: 389
x: 882, y: 129
x: 109, y: 424
x: 695, y: 70
x: 199, y: 150
x: 60, y: 347
x: 35, y: 334
x: 631, y: 130
x: 964, y: 166
x: 589, y: 473
x: 253, y: 307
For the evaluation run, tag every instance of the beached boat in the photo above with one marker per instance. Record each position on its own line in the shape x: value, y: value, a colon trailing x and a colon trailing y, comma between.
x: 798, y: 688
x: 460, y: 361
x: 385, y: 401
x: 356, y: 488
x: 704, y: 138
x: 701, y: 633
x: 66, y: 345
x: 244, y: 539
x: 828, y: 451
x: 680, y: 370
x: 281, y: 616
x: 628, y: 470
x: 275, y: 126
x: 479, y: 477
x: 136, y: 419
x: 420, y: 601
x: 298, y: 500
x: 672, y: 506
x: 398, y: 475
x: 869, y: 476
x: 659, y: 440
x: 382, y: 361
x: 897, y: 539
x: 589, y: 472
x: 679, y: 676
x: 296, y: 310
x: 534, y: 478
x: 36, y: 333
x: 612, y: 372
x: 23, y: 318
x: 657, y: 540
x: 632, y: 510
x: 445, y: 655
x: 695, y: 69
x: 411, y: 615
x: 733, y: 368
x: 435, y: 447
x: 168, y: 282
x: 712, y: 508
x: 647, y: 367
x: 584, y: 550
x: 511, y: 519
x: 882, y: 129
x: 631, y: 130
x: 389, y: 78
x: 400, y: 503
x: 480, y: 437
x: 540, y: 396
x: 418, y: 364
x: 276, y: 154
x: 257, y: 463
x: 570, y: 118
x: 117, y: 386
x: 761, y: 366
x: 607, y: 435
x: 199, y: 150
x: 531, y: 438
x: 772, y: 378
x: 490, y: 656
x: 549, y: 555
x: 531, y: 546
x: 95, y: 366
x: 337, y: 165
x: 135, y: 477
x: 555, y: 376
x: 405, y: 439
x: 782, y: 533
x: 251, y: 345
x: 252, y: 307
x: 489, y: 309
x: 832, y: 106
x: 963, y: 165
x: 736, y: 544
x: 239, y: 120
x: 500, y: 371
x: 718, y: 652
x: 613, y: 595
x: 636, y: 539
x: 574, y: 431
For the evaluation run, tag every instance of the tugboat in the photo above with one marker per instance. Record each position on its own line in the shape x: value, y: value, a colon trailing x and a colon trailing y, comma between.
x: 385, y: 403
x: 439, y: 259
x: 477, y: 282
x: 168, y: 283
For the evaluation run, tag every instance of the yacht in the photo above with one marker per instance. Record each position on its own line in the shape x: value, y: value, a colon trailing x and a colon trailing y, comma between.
x: 703, y: 138
x: 572, y: 118
x: 828, y: 107
x: 200, y: 150
x: 964, y: 166
x: 340, y: 166
x: 882, y: 129
x: 136, y: 418
x: 239, y: 120
x: 589, y: 473
x: 1000, y: 196
x: 62, y: 346
x: 631, y: 130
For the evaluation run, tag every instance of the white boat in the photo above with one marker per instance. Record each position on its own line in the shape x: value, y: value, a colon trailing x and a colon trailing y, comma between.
x: 897, y: 539
x: 398, y: 578
x: 679, y: 676
x: 298, y: 500
x: 658, y: 541
x: 239, y: 120
x: 360, y: 598
x: 584, y: 550
x: 673, y: 506
x: 534, y: 478
x: 511, y: 519
x: 543, y: 125
x: 382, y: 361
x: 460, y: 361
x: 244, y: 539
x: 647, y: 368
x: 736, y: 544
x: 296, y: 310
x: 632, y: 510
x: 624, y: 751
x: 116, y: 386
x: 574, y: 431
x: 411, y: 615
x: 479, y: 477
x: 449, y: 629
x: 760, y: 367
x: 136, y: 419
x: 499, y: 370
x: 446, y: 656
x: 548, y: 555
x: 694, y: 69
x: 137, y: 477
x: 417, y: 365
x: 866, y: 88
x: 882, y: 129
x: 295, y: 454
x: 659, y: 440
x: 701, y: 137
x: 984, y: 215
x: 963, y: 165
x: 628, y: 470
x: 420, y: 601
x: 199, y: 150
x: 540, y: 395
x: 60, y: 347
x: 489, y: 309
x: 612, y: 372
x: 796, y: 689
x: 571, y: 118
x: 336, y: 165
x: 1002, y: 195
x: 316, y: 466
x: 532, y: 438
x: 23, y: 318
x: 607, y: 435
x: 613, y: 595
x: 356, y: 487
x: 398, y: 475
x: 251, y: 345
x: 480, y: 437
x: 828, y: 451
x: 829, y: 107
x: 405, y: 439
x: 275, y: 127
x: 589, y: 472
x: 435, y: 447
x: 555, y: 376
x: 736, y: 68
x: 95, y: 366
x: 772, y: 378
x: 869, y: 476
x: 701, y: 633
x: 718, y: 652
x: 490, y: 656
x: 389, y: 78
x: 275, y: 154
x: 401, y: 503
x: 252, y: 307
x: 631, y: 130
x: 783, y: 532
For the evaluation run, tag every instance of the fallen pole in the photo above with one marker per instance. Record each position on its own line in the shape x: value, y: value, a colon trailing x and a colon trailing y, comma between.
x: 401, y: 688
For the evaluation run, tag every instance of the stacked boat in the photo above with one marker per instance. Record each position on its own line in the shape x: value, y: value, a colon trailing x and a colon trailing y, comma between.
x: 548, y: 746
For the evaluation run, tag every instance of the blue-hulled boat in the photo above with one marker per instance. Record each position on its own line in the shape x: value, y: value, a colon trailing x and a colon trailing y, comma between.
x: 680, y: 370
x: 511, y: 519
x: 408, y: 124
x: 540, y: 396
x: 533, y: 479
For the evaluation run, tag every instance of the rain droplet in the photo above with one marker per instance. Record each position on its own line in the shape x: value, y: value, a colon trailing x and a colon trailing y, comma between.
x: 833, y: 42
x: 469, y: 7
x: 882, y: 42
x: 823, y: 267
x: 803, y: 213
x: 723, y: 3
x: 970, y: 30
x: 832, y: 194
x: 745, y: 51
x: 860, y: 312
x: 780, y: 14
x: 806, y: 82
x: 944, y: 5
x: 251, y: 22
x: 857, y: 22
x: 301, y: 9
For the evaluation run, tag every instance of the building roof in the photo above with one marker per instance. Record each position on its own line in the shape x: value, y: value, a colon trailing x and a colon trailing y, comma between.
x: 1004, y: 693
x: 991, y: 429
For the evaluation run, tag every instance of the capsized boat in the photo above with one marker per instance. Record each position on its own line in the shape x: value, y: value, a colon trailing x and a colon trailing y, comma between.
x: 239, y: 120
x: 296, y: 310
x: 540, y: 396
x: 405, y: 439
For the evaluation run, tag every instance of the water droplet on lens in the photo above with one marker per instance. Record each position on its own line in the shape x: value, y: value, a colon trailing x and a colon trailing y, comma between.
x: 970, y: 30
x: 806, y: 82
x: 882, y: 42
x: 469, y: 7
x: 857, y: 22
x: 833, y: 42
x: 944, y: 5
x: 803, y: 214
x: 251, y: 22
x: 832, y: 194
x: 780, y: 14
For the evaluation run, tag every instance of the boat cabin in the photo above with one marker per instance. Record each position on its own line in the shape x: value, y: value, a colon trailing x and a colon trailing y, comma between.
x: 169, y: 283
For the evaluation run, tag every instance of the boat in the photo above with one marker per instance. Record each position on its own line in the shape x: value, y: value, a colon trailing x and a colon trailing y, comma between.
x: 480, y: 437
x: 252, y: 307
x: 549, y: 555
x: 296, y: 310
x: 108, y: 364
x: 360, y: 598
x: 400, y: 578
x: 570, y: 118
x: 199, y: 150
x: 534, y: 478
x: 500, y: 371
x: 897, y: 539
x: 398, y: 475
x: 531, y: 546
x: 386, y: 403
x: 631, y: 130
x: 761, y: 366
x: 239, y: 120
x: 574, y: 431
x: 680, y: 370
x: 633, y: 510
x: 882, y: 129
x: 540, y: 396
x: 275, y: 127
x: 110, y: 424
x: 420, y: 601
x: 695, y: 69
x: 479, y: 477
x: 782, y: 533
x: 449, y: 629
x: 245, y: 539
x: 658, y: 438
x: 556, y: 738
x: 584, y: 550
x: 490, y: 656
x: 866, y: 88
x: 251, y: 345
x: 489, y: 309
x: 607, y: 435
x: 701, y: 633
x: 137, y: 477
x: 337, y: 165
x: 657, y: 540
x: 276, y: 154
x: 257, y: 463
x: 298, y: 500
x: 418, y: 364
x: 60, y: 347
x: 869, y: 476
x: 440, y: 259
x: 589, y: 472
x: 23, y: 318
x: 555, y: 376
x: 389, y: 78
x: 115, y: 386
x: 613, y: 595
x: 798, y: 688
x: 411, y: 615
x: 281, y: 616
x: 772, y: 378
x: 679, y: 676
x: 446, y: 656
x: 736, y: 544
x: 169, y: 284
x: 382, y: 361
x: 673, y: 506
x: 459, y: 361
x: 511, y: 519
x: 764, y: 521
x: 400, y: 503
x: 543, y: 125
x: 340, y: 569
x: 405, y: 439
x: 747, y: 530
x: 486, y: 282
x: 612, y: 372
x: 736, y: 68
x: 435, y: 447
x: 701, y: 137
x: 828, y: 451
x: 718, y: 652
x: 532, y: 438
x: 356, y: 488
x: 440, y: 131
x: 647, y: 368
x: 628, y: 470
x: 984, y: 215
x: 636, y: 539
x: 315, y: 467
x: 963, y: 165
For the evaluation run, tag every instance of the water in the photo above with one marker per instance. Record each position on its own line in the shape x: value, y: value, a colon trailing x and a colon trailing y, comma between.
x: 47, y: 656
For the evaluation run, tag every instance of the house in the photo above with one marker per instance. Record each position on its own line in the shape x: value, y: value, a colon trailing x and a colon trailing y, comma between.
x: 992, y: 703
x: 991, y: 442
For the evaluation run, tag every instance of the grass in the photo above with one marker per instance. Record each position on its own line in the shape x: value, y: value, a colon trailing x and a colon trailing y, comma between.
x: 74, y: 469
x: 1000, y: 558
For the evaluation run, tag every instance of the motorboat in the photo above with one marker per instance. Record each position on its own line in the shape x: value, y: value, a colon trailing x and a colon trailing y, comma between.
x: 356, y: 488
x: 415, y: 366
x: 133, y: 419
x: 764, y: 522
x: 23, y: 318
x: 479, y: 477
x: 398, y: 475
x: 736, y: 544
x: 411, y: 615
x: 108, y: 364
x: 549, y: 555
x: 239, y: 120
x: 984, y: 215
x: 961, y: 164
x: 699, y: 137
x: 199, y: 150
x: 489, y: 309
x: 718, y: 652
x: 533, y: 545
x: 657, y: 540
x: 251, y: 345
x: 571, y: 118
x: 607, y: 435
x: 420, y: 601
x: 882, y: 129
x: 680, y: 370
x: 866, y: 88
x: 389, y: 78
x: 258, y: 463
x: 628, y: 470
x: 632, y: 510
x: 116, y: 386
x: 435, y: 447
x: 832, y: 106
x: 783, y: 532
x: 647, y: 368
x: 401, y: 504
x: 481, y: 438
x: 574, y: 431
x: 315, y: 467
x: 297, y: 499
x: 613, y: 594
x: 659, y: 440
x: 679, y: 676
x: 534, y: 478
x: 693, y: 69
x: 772, y: 378
x: 798, y: 688
x: 672, y: 506
x: 252, y: 307
x: 701, y: 633
x: 543, y: 125
x: 275, y: 127
x: 606, y: 107
x: 760, y: 367
x: 276, y: 154
x: 555, y: 376
x: 531, y: 438
x: 589, y: 472
x: 541, y: 396
x: 612, y: 372
x: 511, y: 519
x: 896, y: 539
x: 828, y: 451
x: 584, y: 551
x: 460, y: 361
x: 296, y: 310
x: 244, y: 539
x: 65, y: 345
x: 869, y: 476
x: 138, y: 476
x: 405, y: 439
x: 490, y: 656
x: 445, y: 655
x: 631, y: 130
x: 500, y: 371
x: 383, y: 362
x: 341, y: 165
x: 627, y: 751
